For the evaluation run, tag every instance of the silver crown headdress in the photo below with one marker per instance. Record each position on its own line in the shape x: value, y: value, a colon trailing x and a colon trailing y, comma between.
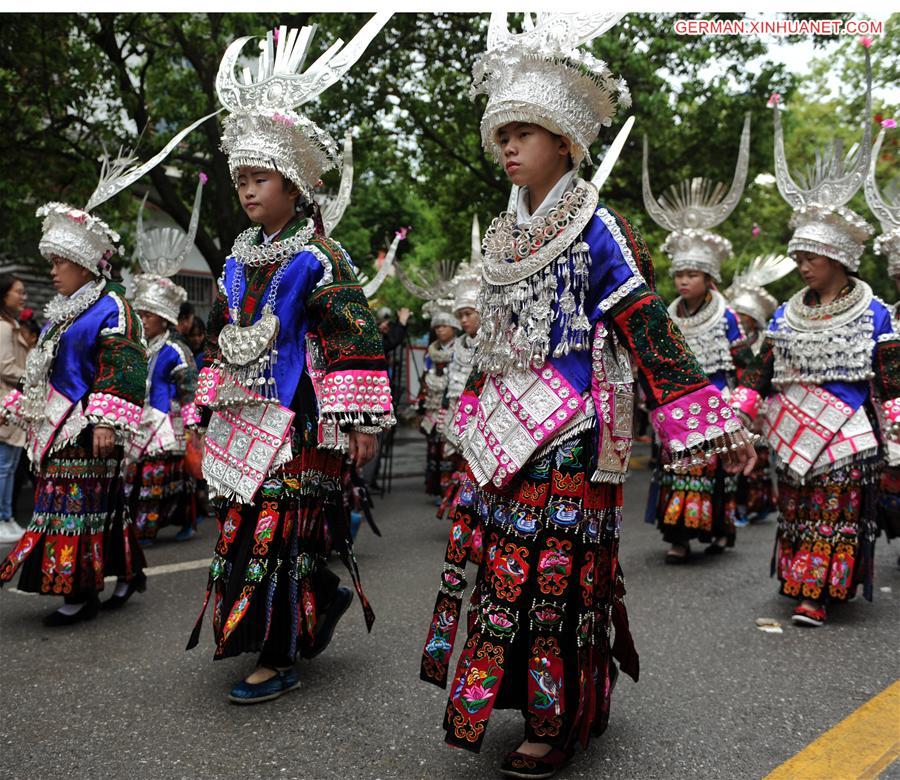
x: 263, y: 127
x: 83, y: 238
x: 691, y: 209
x: 747, y: 293
x: 161, y: 253
x: 542, y: 76
x: 821, y: 220
x: 467, y: 281
x: 436, y: 291
x: 886, y: 208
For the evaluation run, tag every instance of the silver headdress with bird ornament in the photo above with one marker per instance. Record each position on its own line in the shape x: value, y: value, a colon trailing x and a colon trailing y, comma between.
x: 81, y: 237
x: 692, y: 208
x: 263, y: 127
x: 823, y: 225
x: 886, y: 208
x: 161, y: 253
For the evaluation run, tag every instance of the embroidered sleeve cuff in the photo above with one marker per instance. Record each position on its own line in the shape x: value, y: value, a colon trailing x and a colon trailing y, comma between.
x: 890, y: 411
x: 207, y: 386
x: 11, y: 407
x: 467, y: 409
x: 191, y: 415
x: 696, y: 422
x: 746, y: 400
x: 357, y: 398
x: 108, y: 409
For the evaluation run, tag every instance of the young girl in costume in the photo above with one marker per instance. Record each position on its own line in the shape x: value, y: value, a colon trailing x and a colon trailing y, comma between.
x: 159, y: 491
x: 701, y: 504
x: 823, y: 348
x: 567, y: 306
x: 294, y: 377
x: 438, y: 358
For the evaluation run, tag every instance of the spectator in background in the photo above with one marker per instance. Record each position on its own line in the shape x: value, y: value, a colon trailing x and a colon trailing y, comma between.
x: 185, y: 319
x: 196, y: 339
x: 13, y: 351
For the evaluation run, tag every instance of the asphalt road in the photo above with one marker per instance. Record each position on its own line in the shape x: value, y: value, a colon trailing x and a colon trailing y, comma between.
x: 718, y: 698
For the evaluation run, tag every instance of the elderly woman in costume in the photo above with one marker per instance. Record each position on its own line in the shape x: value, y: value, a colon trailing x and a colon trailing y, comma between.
x: 702, y: 503
x: 294, y: 378
x: 159, y: 491
x: 823, y: 348
x: 567, y: 306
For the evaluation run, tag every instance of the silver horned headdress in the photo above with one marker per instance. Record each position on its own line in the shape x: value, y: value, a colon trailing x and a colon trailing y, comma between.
x: 161, y: 253
x: 886, y: 208
x: 747, y: 293
x: 467, y: 281
x: 823, y: 225
x: 437, y: 292
x: 83, y: 238
x: 542, y: 76
x: 263, y: 127
x: 692, y: 208
x: 333, y: 209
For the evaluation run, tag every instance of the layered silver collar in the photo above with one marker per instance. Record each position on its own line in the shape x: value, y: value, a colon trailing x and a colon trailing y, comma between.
x: 247, y: 252
x: 68, y: 307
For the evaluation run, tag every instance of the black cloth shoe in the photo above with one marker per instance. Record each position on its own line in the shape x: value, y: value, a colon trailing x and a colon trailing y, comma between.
x: 138, y: 582
x: 336, y: 608
x: 530, y: 767
x: 87, y: 612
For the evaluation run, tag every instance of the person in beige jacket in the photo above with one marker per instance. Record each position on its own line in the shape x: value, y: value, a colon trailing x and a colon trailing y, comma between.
x: 13, y: 351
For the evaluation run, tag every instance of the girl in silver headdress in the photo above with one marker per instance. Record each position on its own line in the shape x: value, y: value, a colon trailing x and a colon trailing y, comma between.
x: 823, y: 348
x: 567, y: 307
x: 702, y: 503
x: 755, y: 307
x: 294, y: 387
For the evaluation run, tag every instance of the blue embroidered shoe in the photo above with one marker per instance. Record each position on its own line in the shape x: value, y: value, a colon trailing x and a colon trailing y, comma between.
x: 249, y: 693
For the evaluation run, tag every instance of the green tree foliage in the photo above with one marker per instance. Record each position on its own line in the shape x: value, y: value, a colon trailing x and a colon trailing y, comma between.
x: 109, y: 77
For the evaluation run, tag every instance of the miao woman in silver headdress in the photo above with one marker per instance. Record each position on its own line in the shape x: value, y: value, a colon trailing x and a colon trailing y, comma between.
x: 826, y: 430
x: 701, y: 503
x: 569, y: 323
x: 159, y: 491
x: 294, y: 387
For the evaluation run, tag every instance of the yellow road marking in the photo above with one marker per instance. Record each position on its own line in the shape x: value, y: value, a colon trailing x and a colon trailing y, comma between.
x: 860, y: 747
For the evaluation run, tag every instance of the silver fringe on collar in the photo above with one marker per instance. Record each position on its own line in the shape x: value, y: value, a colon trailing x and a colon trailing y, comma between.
x: 535, y: 276
x: 830, y: 343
